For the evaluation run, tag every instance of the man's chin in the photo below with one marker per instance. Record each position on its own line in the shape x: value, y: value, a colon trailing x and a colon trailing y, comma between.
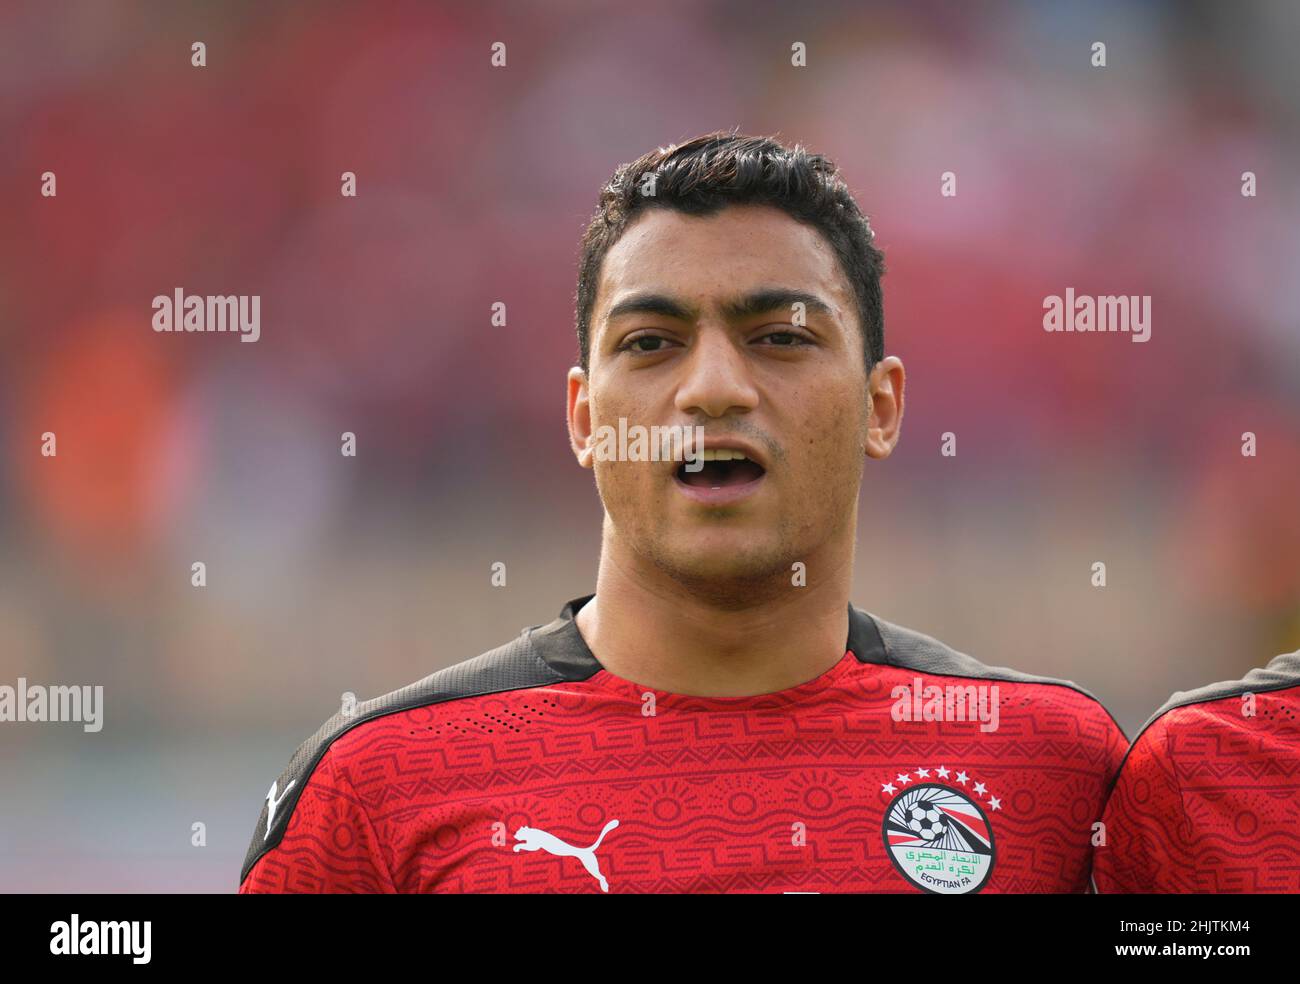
x: 725, y: 570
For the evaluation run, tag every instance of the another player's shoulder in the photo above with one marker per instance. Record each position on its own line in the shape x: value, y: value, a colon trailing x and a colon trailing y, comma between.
x: 538, y: 656
x: 1210, y: 737
x: 1218, y: 707
x: 909, y: 649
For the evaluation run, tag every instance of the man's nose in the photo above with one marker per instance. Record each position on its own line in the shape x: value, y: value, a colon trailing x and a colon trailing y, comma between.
x: 717, y: 376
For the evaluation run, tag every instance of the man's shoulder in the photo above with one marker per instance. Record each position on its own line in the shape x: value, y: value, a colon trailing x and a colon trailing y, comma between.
x: 538, y: 656
x: 513, y: 665
x: 1217, y: 706
x: 915, y: 650
x: 909, y: 649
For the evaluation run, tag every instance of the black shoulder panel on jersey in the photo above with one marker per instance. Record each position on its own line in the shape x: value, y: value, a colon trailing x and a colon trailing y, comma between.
x: 913, y: 650
x: 1281, y: 673
x: 538, y: 656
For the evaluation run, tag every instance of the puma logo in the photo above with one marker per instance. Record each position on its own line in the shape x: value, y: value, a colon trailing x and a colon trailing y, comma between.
x: 272, y: 803
x: 532, y: 839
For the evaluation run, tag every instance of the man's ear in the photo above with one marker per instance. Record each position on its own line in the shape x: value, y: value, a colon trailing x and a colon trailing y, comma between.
x: 885, y: 387
x: 580, y: 417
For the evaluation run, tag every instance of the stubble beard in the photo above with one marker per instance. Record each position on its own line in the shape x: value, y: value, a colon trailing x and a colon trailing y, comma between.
x: 746, y: 579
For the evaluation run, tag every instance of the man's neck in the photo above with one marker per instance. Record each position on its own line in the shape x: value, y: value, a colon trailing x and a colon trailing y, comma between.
x: 646, y: 628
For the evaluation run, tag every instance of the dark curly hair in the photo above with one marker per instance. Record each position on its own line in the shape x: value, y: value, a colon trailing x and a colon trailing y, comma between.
x: 708, y: 173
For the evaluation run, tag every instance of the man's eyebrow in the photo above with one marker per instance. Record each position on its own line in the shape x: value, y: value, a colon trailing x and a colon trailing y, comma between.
x: 772, y: 299
x: 756, y: 302
x: 650, y: 303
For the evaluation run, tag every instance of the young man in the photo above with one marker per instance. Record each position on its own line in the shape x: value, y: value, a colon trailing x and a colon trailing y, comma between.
x: 1208, y: 798
x: 717, y: 717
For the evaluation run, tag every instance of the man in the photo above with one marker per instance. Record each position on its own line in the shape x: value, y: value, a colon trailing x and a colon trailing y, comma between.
x: 717, y: 717
x: 1208, y: 798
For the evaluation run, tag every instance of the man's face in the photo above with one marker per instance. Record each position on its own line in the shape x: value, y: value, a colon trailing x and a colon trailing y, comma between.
x: 677, y: 339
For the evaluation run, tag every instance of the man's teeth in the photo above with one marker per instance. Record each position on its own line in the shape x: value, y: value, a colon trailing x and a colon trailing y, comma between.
x: 721, y: 454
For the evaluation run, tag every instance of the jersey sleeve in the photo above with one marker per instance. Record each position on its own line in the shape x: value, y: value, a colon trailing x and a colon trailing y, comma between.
x: 1145, y: 826
x: 328, y: 846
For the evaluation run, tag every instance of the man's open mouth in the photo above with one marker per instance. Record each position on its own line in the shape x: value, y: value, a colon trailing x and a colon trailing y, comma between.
x: 722, y: 467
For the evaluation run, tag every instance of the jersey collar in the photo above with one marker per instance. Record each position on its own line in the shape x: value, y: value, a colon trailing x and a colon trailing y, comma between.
x: 562, y: 647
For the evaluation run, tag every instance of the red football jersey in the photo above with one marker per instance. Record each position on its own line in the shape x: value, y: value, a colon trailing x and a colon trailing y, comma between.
x: 905, y: 767
x: 1208, y: 799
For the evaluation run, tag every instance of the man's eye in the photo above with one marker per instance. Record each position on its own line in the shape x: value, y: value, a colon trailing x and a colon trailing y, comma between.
x: 657, y: 343
x: 790, y: 339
